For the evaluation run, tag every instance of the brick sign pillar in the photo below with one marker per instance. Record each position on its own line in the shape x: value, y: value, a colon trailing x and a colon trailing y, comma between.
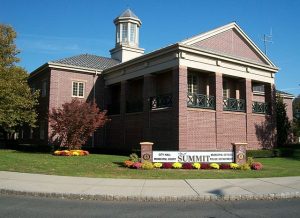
x: 240, y: 152
x: 146, y: 151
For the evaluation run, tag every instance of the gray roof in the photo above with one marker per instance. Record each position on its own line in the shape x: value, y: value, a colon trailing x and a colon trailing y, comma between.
x: 88, y: 61
x: 128, y: 13
x: 284, y: 93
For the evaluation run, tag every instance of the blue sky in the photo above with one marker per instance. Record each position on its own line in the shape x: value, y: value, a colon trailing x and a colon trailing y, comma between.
x: 54, y: 29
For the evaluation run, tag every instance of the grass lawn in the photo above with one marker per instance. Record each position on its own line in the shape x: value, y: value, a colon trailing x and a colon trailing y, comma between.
x: 98, y: 165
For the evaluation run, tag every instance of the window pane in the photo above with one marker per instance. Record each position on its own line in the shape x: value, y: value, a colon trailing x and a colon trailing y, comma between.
x: 80, y: 91
x: 132, y: 32
x: 75, y: 88
x: 118, y: 33
x: 259, y: 88
x: 124, y: 32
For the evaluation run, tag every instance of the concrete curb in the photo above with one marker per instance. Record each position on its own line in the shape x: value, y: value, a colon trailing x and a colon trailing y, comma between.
x: 285, y: 195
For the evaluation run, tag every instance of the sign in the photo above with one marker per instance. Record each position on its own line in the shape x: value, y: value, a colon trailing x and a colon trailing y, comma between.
x: 193, y: 156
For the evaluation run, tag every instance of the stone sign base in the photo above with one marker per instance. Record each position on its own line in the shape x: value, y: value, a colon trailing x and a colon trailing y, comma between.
x: 240, y: 152
x: 146, y: 151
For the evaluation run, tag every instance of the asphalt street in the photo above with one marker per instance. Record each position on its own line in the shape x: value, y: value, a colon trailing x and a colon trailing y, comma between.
x: 21, y: 206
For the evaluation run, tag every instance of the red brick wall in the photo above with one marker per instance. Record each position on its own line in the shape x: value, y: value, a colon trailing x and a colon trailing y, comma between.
x: 201, y: 130
x: 229, y: 42
x: 61, y: 86
x: 289, y: 107
x: 234, y: 129
x: 258, y: 98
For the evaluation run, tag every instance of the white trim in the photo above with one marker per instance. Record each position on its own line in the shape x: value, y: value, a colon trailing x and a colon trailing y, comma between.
x: 78, y: 82
x: 228, y: 58
x: 72, y: 67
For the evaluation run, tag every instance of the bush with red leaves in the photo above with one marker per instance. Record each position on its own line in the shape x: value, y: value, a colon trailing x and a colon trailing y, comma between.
x: 224, y: 166
x: 187, y: 166
x: 205, y: 166
x: 75, y: 122
x: 256, y: 166
x: 167, y: 165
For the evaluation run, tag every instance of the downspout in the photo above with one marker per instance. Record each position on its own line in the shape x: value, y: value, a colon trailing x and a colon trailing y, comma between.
x: 94, y: 98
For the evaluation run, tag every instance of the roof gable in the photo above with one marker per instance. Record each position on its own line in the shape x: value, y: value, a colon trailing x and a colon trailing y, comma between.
x: 229, y: 40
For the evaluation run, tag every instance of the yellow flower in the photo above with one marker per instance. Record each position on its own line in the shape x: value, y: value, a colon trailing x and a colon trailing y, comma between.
x: 56, y: 152
x: 157, y: 165
x: 197, y: 166
x: 234, y: 166
x: 177, y: 165
x: 214, y: 166
x: 75, y: 153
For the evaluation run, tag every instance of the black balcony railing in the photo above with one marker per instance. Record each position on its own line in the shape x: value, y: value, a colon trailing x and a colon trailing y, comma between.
x: 161, y: 101
x: 134, y: 106
x: 201, y: 101
x: 232, y: 104
x: 260, y: 107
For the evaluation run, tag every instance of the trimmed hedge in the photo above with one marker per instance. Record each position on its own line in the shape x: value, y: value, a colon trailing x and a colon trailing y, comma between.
x: 260, y: 153
x: 292, y: 151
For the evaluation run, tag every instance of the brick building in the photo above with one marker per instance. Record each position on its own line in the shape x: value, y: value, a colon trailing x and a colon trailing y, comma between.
x: 202, y: 93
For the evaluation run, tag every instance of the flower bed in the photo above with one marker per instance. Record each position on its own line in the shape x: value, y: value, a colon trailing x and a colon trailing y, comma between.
x: 71, y: 153
x: 192, y: 166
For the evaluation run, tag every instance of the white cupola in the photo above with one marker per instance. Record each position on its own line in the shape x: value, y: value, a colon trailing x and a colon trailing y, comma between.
x: 127, y: 37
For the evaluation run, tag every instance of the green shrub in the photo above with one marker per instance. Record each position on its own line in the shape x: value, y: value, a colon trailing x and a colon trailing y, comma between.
x: 250, y: 161
x: 147, y: 165
x: 134, y: 157
x: 260, y: 153
x: 245, y: 166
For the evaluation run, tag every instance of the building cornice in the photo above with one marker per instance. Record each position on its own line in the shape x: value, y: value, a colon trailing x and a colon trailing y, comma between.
x: 145, y: 57
x: 63, y: 67
x: 223, y: 57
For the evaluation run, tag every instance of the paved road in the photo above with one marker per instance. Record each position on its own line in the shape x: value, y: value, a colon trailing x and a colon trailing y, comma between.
x: 20, y: 206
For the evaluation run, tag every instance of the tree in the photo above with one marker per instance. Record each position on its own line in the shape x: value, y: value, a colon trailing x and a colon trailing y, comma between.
x: 283, y: 124
x: 296, y: 120
x: 17, y: 101
x: 75, y: 122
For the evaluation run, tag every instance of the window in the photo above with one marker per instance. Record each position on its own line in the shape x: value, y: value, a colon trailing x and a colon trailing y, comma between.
x: 118, y: 33
x: 44, y: 89
x: 125, y: 32
x: 78, y: 89
x: 225, y: 89
x: 132, y: 32
x: 258, y: 88
x: 192, y: 83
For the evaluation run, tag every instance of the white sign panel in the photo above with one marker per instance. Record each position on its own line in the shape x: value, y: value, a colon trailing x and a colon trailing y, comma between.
x: 193, y: 156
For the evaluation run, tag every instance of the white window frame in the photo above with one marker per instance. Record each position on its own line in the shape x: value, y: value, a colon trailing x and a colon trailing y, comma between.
x: 193, y: 83
x: 77, y: 94
x: 226, y: 90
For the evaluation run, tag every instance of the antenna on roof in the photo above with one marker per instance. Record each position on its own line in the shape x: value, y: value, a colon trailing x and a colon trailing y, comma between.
x: 267, y: 39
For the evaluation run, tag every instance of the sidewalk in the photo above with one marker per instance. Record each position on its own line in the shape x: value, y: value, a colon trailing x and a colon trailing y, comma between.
x: 148, y: 189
